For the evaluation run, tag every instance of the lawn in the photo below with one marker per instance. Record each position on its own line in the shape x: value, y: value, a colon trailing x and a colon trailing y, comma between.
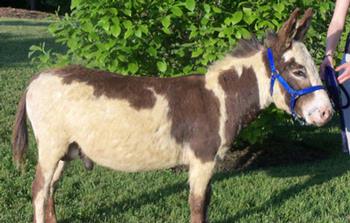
x: 312, y: 191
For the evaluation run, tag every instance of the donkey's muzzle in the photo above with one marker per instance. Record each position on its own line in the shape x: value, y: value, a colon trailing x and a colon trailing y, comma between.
x: 321, y: 116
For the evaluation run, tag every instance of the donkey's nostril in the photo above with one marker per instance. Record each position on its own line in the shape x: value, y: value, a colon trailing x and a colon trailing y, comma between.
x: 326, y: 114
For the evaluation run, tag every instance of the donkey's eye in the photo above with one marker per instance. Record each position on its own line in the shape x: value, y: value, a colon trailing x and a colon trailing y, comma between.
x: 299, y: 73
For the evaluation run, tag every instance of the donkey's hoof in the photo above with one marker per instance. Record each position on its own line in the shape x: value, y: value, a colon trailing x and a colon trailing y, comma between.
x: 89, y: 165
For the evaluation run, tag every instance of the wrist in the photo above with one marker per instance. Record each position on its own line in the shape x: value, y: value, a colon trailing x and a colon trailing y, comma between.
x: 330, y: 55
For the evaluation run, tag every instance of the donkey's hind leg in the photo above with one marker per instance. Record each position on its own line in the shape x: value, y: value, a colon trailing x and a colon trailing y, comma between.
x: 49, y: 157
x: 50, y: 214
x: 199, y: 198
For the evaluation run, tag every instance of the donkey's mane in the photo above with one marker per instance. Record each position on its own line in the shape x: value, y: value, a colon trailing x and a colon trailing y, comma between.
x: 248, y: 47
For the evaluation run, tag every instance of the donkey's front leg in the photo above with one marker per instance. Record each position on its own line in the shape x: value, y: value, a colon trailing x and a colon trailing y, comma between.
x: 199, y: 198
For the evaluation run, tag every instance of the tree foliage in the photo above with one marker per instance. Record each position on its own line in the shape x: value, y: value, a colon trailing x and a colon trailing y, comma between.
x: 166, y: 37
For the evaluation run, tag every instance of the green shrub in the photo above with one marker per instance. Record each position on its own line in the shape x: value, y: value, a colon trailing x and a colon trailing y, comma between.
x: 171, y: 38
x: 166, y: 37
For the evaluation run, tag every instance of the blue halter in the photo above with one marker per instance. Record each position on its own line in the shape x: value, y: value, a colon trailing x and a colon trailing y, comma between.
x: 294, y: 94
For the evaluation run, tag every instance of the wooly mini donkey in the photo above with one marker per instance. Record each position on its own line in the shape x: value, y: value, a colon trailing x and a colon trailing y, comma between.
x: 146, y: 123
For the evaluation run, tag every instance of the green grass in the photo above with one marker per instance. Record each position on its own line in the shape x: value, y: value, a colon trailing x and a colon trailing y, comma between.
x: 316, y: 191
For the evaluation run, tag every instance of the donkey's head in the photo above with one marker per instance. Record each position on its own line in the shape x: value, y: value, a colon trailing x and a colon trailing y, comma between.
x: 296, y: 67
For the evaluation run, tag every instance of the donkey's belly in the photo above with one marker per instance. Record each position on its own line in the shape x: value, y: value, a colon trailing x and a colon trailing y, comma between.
x: 134, y: 158
x: 131, y: 146
x: 118, y: 136
x: 131, y: 149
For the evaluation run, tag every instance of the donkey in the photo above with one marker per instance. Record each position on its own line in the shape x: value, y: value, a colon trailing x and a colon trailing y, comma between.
x: 145, y: 123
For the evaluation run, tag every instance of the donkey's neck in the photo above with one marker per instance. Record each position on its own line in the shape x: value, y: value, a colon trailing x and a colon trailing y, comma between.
x: 242, y: 86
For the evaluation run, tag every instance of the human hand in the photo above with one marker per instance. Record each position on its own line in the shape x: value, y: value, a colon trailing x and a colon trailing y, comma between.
x: 327, y: 61
x: 346, y: 72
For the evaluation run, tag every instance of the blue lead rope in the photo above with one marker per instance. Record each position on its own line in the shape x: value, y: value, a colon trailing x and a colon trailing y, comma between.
x: 294, y: 94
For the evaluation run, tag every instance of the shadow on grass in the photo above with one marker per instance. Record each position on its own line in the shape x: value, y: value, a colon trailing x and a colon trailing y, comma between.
x: 147, y: 198
x: 289, y: 144
x: 15, y: 49
x: 337, y: 168
x: 24, y: 23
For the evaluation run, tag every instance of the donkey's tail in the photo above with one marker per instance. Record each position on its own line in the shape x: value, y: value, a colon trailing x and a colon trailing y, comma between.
x: 20, y: 132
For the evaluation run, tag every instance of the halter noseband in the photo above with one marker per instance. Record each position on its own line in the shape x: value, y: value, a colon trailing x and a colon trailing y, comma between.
x: 294, y: 94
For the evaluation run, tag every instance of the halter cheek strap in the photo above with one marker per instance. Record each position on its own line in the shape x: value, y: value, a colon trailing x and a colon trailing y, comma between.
x: 294, y: 94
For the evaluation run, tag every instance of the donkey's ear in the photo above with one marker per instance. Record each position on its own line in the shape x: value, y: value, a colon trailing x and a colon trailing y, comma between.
x: 287, y: 32
x: 303, y: 25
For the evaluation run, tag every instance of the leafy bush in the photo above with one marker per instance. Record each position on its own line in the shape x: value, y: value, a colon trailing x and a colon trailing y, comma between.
x: 170, y: 38
x: 162, y: 37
